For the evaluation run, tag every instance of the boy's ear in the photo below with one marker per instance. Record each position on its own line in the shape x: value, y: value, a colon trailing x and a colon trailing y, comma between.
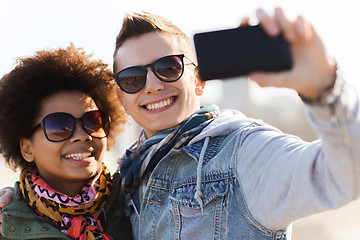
x: 199, y: 84
x: 26, y: 149
x: 120, y: 97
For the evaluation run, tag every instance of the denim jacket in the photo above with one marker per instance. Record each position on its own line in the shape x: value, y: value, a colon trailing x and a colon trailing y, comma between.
x: 243, y: 179
x: 170, y: 211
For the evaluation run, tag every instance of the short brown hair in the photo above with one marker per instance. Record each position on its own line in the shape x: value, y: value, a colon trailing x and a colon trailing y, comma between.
x: 49, y: 72
x: 138, y: 24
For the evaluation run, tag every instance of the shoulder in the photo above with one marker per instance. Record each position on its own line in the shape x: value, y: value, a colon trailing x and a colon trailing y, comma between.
x: 117, y: 223
x: 20, y: 222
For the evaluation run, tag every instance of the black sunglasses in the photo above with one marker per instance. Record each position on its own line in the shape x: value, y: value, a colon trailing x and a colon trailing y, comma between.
x: 167, y: 69
x: 61, y: 126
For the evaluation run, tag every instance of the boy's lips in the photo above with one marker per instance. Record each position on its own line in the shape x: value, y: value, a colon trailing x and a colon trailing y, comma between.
x: 159, y: 104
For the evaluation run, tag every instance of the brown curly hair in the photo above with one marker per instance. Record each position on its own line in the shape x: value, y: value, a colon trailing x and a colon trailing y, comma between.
x: 46, y: 73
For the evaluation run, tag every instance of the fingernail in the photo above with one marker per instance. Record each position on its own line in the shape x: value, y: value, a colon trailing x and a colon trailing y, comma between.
x: 260, y: 13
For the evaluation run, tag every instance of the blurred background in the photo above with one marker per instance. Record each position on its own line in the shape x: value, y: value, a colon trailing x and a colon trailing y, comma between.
x: 28, y: 26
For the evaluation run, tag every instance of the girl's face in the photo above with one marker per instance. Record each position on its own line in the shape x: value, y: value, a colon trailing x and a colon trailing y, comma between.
x: 67, y: 165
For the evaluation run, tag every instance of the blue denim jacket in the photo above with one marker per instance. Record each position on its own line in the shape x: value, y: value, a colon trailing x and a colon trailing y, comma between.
x: 243, y: 179
x: 170, y: 211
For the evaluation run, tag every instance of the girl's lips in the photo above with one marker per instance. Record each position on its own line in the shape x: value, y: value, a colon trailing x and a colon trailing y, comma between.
x: 80, y: 159
x: 162, y: 104
x: 78, y: 156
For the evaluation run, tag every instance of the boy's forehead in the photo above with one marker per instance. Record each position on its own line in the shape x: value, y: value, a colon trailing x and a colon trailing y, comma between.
x: 142, y: 50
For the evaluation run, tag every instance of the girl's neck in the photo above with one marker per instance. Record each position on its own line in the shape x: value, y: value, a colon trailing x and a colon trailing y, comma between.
x: 70, y: 189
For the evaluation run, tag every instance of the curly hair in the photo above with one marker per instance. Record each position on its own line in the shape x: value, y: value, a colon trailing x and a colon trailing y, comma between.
x: 38, y: 77
x: 138, y: 24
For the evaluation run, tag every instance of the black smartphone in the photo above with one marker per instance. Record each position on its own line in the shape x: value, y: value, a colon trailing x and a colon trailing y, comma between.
x: 235, y: 52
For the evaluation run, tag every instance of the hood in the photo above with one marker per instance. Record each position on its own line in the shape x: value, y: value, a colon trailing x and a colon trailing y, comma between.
x: 225, y: 123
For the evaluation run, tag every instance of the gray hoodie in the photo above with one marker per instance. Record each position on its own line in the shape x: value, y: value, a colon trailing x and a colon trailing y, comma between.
x: 284, y: 178
x: 279, y: 177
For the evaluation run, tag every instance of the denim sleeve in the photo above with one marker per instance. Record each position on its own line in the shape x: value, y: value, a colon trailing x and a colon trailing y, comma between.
x: 285, y: 178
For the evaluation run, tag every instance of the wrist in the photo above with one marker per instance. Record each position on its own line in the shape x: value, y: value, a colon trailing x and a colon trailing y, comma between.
x: 327, y: 95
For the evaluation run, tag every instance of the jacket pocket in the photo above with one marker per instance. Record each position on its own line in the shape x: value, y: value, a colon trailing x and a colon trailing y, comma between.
x: 212, y: 194
x: 190, y: 216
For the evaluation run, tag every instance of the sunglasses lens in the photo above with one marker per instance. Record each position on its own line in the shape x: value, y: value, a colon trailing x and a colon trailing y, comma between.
x: 96, y: 124
x: 132, y: 80
x: 58, y: 126
x: 169, y: 68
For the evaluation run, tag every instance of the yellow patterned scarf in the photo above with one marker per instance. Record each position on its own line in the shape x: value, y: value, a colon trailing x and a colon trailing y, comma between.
x: 80, y: 217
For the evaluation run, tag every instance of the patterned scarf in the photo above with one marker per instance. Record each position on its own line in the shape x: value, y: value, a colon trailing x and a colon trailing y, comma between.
x: 137, y: 164
x: 80, y: 217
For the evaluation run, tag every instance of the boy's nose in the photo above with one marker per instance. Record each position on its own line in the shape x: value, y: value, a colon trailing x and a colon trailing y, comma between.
x: 153, y: 83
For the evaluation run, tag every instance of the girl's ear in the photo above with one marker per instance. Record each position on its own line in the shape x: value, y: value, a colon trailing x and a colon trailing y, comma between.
x: 26, y: 149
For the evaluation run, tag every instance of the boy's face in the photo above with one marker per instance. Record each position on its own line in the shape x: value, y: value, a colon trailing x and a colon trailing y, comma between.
x: 178, y: 100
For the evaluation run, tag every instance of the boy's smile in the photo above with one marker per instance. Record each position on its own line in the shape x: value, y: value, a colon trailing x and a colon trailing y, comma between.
x: 161, y: 105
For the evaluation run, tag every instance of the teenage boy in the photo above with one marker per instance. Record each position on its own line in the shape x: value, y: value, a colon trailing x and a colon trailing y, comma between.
x: 199, y: 173
x: 202, y: 173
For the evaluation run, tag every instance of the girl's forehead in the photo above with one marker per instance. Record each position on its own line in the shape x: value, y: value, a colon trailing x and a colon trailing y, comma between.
x: 75, y: 103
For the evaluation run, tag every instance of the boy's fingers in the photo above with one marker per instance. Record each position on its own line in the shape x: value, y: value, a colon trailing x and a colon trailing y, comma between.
x: 6, y: 195
x: 304, y: 29
x: 268, y: 23
x: 244, y: 22
x: 269, y: 79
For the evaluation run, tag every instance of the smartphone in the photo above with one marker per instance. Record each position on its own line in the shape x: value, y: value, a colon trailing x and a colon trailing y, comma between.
x: 236, y: 52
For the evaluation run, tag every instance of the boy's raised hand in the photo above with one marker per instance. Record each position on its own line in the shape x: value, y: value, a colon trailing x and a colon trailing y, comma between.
x: 313, y: 70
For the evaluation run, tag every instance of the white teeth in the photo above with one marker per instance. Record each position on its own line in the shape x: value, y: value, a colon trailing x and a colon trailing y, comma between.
x: 78, y: 156
x: 161, y: 104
